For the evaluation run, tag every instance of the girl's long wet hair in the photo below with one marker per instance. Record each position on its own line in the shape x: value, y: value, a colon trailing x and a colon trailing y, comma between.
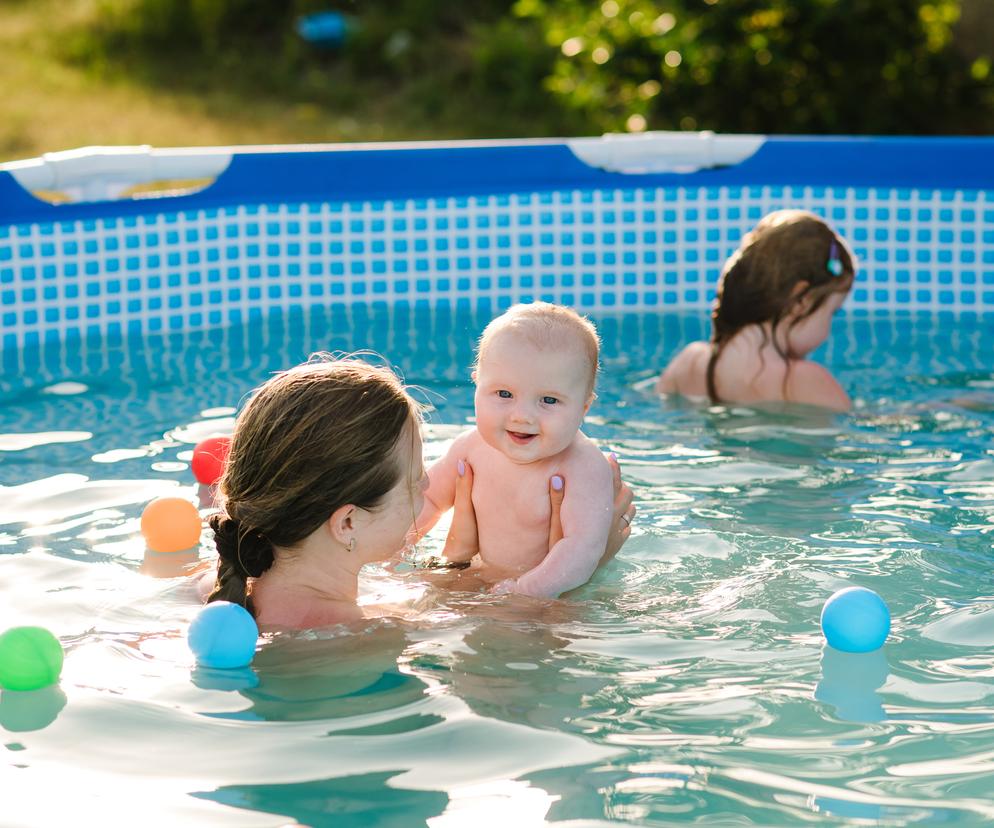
x: 311, y: 439
x: 760, y: 281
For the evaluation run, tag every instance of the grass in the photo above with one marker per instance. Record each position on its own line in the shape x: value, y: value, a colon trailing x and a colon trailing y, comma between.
x: 60, y: 93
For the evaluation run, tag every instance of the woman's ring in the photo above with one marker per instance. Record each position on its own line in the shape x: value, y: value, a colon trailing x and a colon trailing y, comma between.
x: 627, y: 520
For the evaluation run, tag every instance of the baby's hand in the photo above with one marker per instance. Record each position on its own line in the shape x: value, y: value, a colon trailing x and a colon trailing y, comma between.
x: 503, y: 587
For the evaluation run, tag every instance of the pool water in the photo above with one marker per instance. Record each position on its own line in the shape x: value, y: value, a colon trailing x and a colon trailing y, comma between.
x: 686, y: 683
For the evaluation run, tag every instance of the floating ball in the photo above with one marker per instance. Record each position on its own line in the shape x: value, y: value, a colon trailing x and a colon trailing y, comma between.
x: 208, y: 459
x: 855, y: 620
x: 171, y: 524
x: 30, y: 658
x: 223, y: 635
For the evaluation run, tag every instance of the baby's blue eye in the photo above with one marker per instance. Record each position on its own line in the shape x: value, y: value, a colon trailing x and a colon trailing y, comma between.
x: 505, y: 394
x: 550, y: 400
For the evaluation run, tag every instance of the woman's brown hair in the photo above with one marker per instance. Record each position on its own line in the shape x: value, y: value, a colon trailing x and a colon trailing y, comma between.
x: 759, y: 282
x: 312, y: 439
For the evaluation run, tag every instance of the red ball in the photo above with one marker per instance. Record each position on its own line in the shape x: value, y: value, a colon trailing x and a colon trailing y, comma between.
x: 208, y: 459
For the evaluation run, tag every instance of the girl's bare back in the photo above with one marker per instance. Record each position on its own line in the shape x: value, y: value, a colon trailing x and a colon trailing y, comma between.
x: 751, y: 371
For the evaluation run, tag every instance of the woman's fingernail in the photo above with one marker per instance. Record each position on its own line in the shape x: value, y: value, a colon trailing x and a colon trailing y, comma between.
x: 557, y: 483
x: 461, y: 468
x: 613, y: 456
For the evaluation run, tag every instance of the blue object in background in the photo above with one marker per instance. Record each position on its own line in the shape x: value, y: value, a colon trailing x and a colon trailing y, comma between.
x: 223, y: 635
x: 855, y: 620
x: 328, y: 29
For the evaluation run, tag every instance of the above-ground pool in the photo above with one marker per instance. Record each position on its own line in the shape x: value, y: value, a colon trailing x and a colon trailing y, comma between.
x: 688, y: 681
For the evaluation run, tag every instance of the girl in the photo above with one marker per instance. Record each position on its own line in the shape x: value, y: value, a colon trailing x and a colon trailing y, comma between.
x: 776, y: 298
x: 325, y: 475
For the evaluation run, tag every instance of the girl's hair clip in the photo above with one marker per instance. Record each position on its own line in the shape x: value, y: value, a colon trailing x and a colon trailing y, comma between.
x: 834, y: 262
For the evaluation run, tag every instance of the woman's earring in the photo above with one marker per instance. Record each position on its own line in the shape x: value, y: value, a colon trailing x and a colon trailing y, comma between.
x: 352, y: 546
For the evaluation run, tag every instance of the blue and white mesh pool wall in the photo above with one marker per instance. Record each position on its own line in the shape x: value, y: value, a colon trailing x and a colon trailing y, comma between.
x: 643, y: 222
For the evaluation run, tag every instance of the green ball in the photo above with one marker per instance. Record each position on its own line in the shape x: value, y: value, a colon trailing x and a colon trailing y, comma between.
x: 30, y: 658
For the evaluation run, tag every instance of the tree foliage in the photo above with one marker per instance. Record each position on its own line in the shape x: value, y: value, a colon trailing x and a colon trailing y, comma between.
x: 542, y: 66
x: 768, y: 66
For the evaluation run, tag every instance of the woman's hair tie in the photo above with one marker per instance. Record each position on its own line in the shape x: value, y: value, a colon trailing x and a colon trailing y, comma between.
x: 247, y: 551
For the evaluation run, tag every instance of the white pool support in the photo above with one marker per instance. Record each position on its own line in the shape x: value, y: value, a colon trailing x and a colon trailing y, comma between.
x: 92, y: 174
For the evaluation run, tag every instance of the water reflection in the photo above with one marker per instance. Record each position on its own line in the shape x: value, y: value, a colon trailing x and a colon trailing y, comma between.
x: 22, y: 711
x: 849, y: 682
x: 344, y: 802
x: 329, y: 676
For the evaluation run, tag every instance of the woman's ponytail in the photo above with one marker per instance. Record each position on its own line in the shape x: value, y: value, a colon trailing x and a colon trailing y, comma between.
x: 243, y: 554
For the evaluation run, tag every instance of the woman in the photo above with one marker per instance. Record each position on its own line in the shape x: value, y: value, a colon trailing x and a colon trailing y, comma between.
x: 325, y: 475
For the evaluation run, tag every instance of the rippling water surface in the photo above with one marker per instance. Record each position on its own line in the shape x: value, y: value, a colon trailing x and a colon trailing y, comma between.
x: 687, y: 682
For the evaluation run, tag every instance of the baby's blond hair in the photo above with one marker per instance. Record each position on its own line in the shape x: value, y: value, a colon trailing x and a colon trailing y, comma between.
x: 546, y: 326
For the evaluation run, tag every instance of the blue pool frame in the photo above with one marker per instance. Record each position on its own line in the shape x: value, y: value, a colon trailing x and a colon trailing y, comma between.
x: 486, y: 225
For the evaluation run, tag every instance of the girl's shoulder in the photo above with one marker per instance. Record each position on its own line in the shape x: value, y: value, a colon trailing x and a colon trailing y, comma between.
x: 686, y: 372
x: 812, y: 384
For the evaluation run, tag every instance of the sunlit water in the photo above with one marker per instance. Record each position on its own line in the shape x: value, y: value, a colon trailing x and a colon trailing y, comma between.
x: 687, y: 683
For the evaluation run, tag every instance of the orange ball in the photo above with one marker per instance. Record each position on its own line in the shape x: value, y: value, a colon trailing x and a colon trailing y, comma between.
x: 171, y: 524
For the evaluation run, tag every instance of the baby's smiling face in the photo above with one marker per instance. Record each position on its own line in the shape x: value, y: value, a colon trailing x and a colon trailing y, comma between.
x: 530, y: 401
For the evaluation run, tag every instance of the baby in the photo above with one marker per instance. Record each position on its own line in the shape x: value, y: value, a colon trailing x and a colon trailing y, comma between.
x: 535, y: 372
x: 776, y: 298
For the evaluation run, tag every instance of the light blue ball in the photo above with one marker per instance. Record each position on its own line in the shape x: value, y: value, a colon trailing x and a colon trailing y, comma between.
x: 223, y: 635
x: 855, y: 620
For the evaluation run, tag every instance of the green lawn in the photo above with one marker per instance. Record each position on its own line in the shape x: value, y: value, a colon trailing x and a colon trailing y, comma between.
x: 61, y: 93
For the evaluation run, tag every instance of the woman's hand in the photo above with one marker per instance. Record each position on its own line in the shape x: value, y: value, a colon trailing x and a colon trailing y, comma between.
x: 463, y: 540
x: 621, y: 521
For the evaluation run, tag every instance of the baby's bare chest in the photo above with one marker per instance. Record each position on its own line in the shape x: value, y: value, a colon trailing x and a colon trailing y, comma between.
x: 514, y: 502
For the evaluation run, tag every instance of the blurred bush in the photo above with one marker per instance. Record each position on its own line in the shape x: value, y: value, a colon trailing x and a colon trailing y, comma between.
x: 538, y: 67
x: 769, y: 66
x: 196, y: 24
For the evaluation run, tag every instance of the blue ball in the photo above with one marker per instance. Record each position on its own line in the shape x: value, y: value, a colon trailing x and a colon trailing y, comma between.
x: 855, y: 620
x: 329, y: 29
x: 223, y: 635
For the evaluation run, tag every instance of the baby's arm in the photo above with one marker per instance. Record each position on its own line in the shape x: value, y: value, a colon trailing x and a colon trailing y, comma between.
x: 441, y: 492
x: 812, y: 384
x: 587, y: 515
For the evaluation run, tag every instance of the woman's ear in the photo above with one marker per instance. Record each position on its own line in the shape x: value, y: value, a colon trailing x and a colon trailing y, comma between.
x: 341, y: 524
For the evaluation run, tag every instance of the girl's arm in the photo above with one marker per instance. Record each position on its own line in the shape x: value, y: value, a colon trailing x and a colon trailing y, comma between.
x: 812, y: 384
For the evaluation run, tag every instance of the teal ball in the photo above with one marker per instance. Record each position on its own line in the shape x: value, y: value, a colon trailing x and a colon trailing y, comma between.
x: 223, y: 635
x: 855, y: 620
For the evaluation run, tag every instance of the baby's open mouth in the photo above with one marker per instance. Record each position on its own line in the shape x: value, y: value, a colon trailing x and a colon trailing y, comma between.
x: 521, y: 438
